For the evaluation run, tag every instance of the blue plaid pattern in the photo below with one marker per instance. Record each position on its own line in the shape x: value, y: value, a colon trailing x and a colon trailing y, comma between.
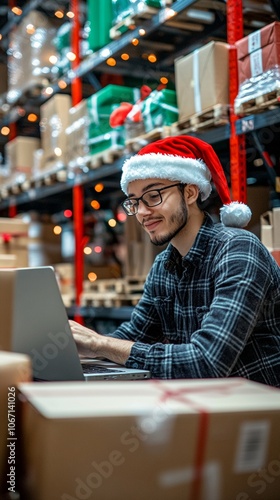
x: 213, y: 313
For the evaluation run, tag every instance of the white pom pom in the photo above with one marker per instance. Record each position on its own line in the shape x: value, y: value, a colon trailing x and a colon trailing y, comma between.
x: 235, y: 214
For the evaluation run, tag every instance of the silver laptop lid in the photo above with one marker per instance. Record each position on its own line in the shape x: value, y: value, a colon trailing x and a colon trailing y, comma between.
x: 39, y: 324
x: 34, y: 321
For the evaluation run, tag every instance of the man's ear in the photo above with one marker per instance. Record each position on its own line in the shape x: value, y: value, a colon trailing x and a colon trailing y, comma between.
x: 191, y: 193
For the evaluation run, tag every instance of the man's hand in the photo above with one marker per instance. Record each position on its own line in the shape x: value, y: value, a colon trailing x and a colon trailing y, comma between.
x: 91, y: 344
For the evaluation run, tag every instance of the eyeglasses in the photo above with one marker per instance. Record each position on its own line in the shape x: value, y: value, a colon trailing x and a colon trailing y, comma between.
x: 151, y: 198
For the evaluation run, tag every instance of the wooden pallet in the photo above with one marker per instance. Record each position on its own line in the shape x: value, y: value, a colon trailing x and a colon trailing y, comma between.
x: 113, y: 292
x: 212, y: 117
x: 106, y: 157
x: 258, y: 104
x: 130, y: 22
x: 134, y: 144
x: 47, y: 177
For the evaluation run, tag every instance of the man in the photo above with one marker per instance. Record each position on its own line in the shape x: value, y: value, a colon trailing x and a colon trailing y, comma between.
x: 211, y: 301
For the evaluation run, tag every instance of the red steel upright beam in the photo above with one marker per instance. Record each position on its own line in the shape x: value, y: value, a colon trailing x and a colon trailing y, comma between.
x: 237, y: 142
x: 78, y: 192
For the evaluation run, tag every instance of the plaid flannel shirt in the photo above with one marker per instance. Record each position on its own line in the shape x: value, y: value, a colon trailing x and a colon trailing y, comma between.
x: 213, y: 313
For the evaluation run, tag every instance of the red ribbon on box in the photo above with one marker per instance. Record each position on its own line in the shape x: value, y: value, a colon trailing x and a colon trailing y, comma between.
x: 183, y: 395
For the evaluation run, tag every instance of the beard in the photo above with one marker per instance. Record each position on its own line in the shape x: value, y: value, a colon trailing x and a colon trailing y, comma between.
x: 177, y: 221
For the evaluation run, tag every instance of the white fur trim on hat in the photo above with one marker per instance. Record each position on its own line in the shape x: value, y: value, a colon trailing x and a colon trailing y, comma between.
x: 164, y: 166
x: 235, y: 214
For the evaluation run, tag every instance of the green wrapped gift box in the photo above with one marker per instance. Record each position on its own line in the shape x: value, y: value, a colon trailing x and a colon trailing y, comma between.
x: 160, y: 109
x: 100, y: 106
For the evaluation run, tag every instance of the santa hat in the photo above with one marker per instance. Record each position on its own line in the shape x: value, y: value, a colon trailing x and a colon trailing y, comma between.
x: 191, y: 161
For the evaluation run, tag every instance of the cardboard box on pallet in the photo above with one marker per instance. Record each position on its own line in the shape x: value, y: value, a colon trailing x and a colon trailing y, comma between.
x: 77, y: 148
x: 159, y: 109
x: 30, y: 49
x: 19, y: 154
x: 258, y: 57
x: 202, y: 79
x: 54, y: 121
x: 14, y: 368
x: 206, y: 439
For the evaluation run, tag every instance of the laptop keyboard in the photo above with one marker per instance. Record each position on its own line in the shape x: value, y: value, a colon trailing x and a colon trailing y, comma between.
x: 92, y: 368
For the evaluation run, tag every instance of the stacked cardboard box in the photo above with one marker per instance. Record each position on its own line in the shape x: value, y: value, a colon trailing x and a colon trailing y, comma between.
x: 54, y: 120
x: 258, y: 63
x: 202, y: 79
x: 200, y: 439
x: 30, y: 48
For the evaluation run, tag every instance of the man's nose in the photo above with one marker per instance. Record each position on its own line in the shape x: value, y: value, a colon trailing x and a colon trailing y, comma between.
x: 143, y: 209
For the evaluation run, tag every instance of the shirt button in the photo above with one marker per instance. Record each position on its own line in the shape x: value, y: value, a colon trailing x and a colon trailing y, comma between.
x: 134, y: 365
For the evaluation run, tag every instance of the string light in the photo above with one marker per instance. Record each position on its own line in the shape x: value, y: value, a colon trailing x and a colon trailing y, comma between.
x: 111, y: 61
x: 32, y: 117
x: 59, y: 14
x: 87, y: 250
x: 98, y: 249
x: 95, y: 204
x: 17, y: 11
x: 5, y: 130
x: 62, y: 84
x: 92, y: 277
x: 99, y: 187
x: 57, y: 230
x: 112, y: 222
x: 152, y: 58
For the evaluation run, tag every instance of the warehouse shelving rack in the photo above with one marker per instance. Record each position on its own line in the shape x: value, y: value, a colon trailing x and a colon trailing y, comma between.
x: 228, y: 25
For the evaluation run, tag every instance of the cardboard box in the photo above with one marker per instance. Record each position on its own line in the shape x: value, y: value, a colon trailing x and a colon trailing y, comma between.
x: 258, y: 52
x: 270, y: 229
x: 202, y: 79
x: 54, y: 121
x: 26, y: 47
x: 77, y: 135
x: 213, y: 439
x: 14, y: 240
x: 8, y: 261
x: 267, y: 35
x: 14, y: 368
x: 20, y: 154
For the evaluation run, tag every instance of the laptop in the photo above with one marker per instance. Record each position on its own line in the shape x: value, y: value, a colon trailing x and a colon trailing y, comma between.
x: 34, y: 321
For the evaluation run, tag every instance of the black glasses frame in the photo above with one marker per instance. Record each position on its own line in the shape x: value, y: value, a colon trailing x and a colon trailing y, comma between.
x: 142, y: 198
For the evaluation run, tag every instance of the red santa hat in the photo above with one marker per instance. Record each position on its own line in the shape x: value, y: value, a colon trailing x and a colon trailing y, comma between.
x: 188, y: 160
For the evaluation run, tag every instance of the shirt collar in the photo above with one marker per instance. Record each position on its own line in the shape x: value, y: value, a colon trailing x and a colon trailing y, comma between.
x: 174, y: 262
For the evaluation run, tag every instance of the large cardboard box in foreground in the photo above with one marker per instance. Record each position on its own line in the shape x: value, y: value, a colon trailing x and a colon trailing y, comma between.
x: 14, y: 368
x: 193, y: 440
x: 202, y: 79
